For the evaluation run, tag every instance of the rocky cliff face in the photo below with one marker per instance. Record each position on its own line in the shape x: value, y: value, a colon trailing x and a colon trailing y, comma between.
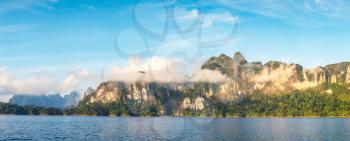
x: 173, y: 97
x: 112, y: 91
x: 245, y: 77
x: 274, y: 76
x: 338, y: 73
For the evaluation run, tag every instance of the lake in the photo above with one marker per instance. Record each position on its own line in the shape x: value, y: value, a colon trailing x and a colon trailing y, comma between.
x: 171, y: 128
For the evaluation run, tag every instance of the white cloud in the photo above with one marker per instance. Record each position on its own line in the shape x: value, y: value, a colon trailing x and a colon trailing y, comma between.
x: 186, y: 17
x: 10, y: 83
x: 79, y: 80
x: 208, y: 76
x: 305, y: 12
x: 162, y: 70
x: 32, y: 85
x: 187, y: 14
x: 70, y: 82
x: 225, y: 18
x: 24, y: 5
x: 37, y: 83
x: 154, y: 69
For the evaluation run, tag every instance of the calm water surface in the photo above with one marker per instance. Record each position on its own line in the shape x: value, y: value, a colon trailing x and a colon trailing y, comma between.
x: 169, y: 128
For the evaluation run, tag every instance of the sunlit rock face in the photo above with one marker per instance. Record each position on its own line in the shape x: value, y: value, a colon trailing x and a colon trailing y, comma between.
x: 186, y: 103
x: 338, y: 72
x: 274, y: 76
x: 196, y: 104
x: 112, y: 91
x: 318, y: 74
x: 171, y: 97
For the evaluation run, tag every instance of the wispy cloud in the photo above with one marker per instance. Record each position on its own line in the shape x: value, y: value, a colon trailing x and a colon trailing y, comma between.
x: 304, y: 12
x: 212, y: 18
x: 162, y: 70
x: 24, y: 5
x: 88, y: 7
x: 13, y: 28
x: 186, y: 17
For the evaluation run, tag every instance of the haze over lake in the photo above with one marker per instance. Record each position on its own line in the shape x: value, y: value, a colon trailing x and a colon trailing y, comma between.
x: 169, y: 128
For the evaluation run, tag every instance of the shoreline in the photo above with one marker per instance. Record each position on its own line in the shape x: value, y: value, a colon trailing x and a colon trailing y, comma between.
x: 232, y: 117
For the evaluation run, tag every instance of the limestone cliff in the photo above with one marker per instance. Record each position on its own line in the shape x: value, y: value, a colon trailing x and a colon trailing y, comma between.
x: 245, y: 77
x: 111, y: 91
x: 338, y: 72
x: 172, y: 97
x: 274, y: 76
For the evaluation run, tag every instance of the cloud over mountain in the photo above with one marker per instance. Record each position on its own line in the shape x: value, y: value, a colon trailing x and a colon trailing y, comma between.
x: 161, y: 70
x: 42, y: 82
x: 158, y: 69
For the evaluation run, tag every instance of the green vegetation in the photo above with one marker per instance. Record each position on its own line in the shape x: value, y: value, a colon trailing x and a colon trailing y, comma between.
x: 6, y: 108
x: 117, y: 108
x: 332, y: 100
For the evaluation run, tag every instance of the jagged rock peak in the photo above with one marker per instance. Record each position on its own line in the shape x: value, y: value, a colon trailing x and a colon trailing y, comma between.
x: 338, y: 71
x: 89, y: 91
x: 220, y: 58
x: 223, y: 56
x: 275, y: 64
x: 239, y: 58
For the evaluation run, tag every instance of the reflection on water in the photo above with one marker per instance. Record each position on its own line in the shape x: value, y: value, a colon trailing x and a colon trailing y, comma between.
x: 169, y: 128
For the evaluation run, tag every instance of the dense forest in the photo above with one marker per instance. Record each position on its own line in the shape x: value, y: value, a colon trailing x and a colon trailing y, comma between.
x: 332, y: 100
x: 6, y: 108
x: 323, y: 101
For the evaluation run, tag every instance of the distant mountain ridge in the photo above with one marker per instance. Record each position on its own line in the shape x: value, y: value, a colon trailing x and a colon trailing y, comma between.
x: 54, y: 100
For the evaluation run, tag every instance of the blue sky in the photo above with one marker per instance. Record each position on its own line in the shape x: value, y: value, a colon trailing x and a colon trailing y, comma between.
x: 68, y: 36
